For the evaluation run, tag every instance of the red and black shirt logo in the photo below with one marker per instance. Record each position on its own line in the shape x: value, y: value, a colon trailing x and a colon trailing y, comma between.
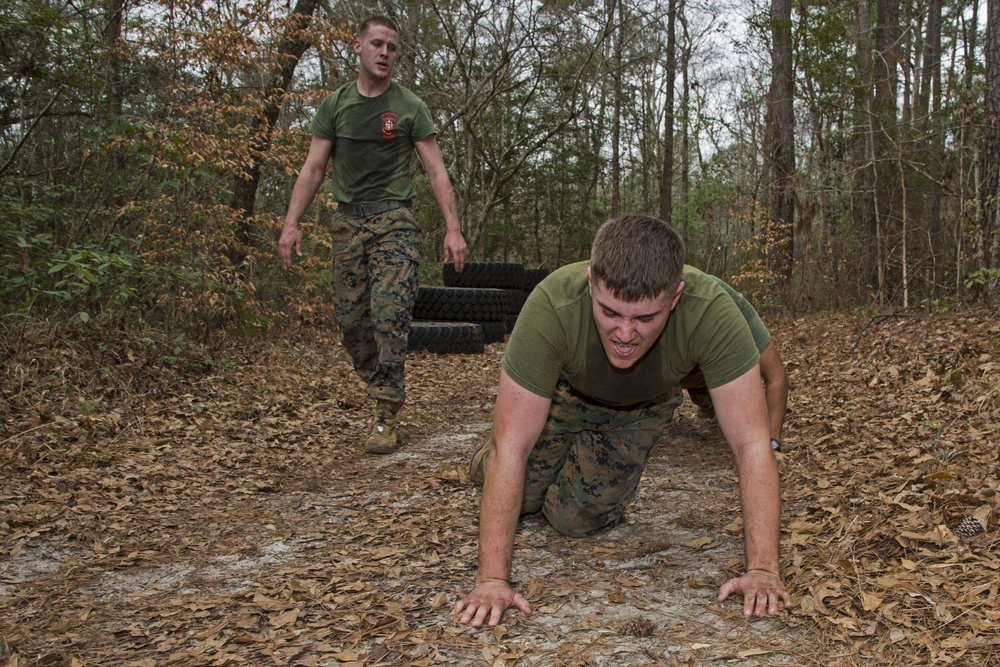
x: 389, y: 125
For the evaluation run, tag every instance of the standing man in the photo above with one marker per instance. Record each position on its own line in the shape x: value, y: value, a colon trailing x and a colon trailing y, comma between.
x: 370, y: 128
x: 590, y: 380
x: 772, y: 372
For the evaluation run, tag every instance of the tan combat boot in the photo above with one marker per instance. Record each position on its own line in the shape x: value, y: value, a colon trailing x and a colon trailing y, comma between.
x: 382, y: 438
x: 477, y: 464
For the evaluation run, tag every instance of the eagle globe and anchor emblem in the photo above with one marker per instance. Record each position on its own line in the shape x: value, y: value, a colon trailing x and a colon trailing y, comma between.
x: 389, y: 125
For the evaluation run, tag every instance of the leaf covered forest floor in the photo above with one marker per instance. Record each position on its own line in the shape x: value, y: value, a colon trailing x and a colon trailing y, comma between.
x: 229, y: 517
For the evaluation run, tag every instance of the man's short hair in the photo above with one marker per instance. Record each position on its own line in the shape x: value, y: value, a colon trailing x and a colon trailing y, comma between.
x: 637, y: 257
x: 383, y: 21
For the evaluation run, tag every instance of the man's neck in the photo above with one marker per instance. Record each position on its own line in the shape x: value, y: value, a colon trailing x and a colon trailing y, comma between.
x: 369, y: 88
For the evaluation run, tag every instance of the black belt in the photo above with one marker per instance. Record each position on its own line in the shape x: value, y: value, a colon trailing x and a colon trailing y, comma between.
x: 372, y: 208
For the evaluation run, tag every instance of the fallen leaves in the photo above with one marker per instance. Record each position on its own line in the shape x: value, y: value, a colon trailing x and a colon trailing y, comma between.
x: 893, y: 466
x: 226, y: 519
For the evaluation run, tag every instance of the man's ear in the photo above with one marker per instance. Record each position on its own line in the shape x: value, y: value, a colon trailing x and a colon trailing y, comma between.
x: 677, y: 296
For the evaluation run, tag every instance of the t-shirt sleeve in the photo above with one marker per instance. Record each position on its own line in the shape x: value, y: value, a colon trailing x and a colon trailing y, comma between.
x: 761, y: 335
x: 423, y: 123
x: 533, y: 358
x: 727, y: 347
x: 323, y: 124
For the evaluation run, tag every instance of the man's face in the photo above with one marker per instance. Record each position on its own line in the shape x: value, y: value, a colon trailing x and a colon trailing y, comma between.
x: 376, y: 49
x: 629, y: 328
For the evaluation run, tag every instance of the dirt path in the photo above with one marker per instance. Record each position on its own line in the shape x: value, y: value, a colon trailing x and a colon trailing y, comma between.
x: 364, y: 558
x: 231, y: 520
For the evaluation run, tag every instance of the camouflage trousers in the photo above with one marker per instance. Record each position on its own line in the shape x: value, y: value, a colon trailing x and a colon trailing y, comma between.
x: 585, y: 468
x: 375, y: 261
x: 694, y: 383
x: 700, y: 397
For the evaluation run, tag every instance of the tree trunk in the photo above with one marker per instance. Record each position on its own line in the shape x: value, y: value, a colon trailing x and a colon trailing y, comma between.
x: 667, y: 175
x: 616, y: 107
x: 112, y: 42
x: 888, y: 186
x: 685, y: 126
x: 968, y: 142
x: 930, y: 124
x: 865, y: 148
x: 115, y: 84
x: 293, y: 44
x: 782, y: 145
x: 989, y: 191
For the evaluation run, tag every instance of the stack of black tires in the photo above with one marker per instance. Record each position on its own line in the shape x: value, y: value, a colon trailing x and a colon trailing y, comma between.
x: 476, y: 307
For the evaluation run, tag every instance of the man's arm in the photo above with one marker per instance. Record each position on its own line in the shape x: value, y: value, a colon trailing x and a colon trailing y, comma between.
x: 772, y: 371
x: 306, y: 186
x: 454, y: 243
x: 742, y: 415
x: 517, y: 422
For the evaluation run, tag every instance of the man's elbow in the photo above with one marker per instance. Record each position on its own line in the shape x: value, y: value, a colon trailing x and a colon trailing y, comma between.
x: 779, y: 377
x: 774, y: 373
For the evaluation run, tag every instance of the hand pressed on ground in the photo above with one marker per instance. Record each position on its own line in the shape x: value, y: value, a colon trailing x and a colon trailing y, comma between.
x: 489, y: 598
x: 761, y: 590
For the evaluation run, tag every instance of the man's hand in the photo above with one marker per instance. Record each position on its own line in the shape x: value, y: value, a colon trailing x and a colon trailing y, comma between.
x: 455, y: 248
x: 291, y: 240
x: 492, y: 597
x: 761, y: 592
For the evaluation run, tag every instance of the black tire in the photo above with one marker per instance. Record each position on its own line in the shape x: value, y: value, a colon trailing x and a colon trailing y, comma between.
x: 446, y: 337
x: 498, y: 275
x: 532, y: 277
x: 460, y: 304
x: 493, y: 332
x: 515, y: 301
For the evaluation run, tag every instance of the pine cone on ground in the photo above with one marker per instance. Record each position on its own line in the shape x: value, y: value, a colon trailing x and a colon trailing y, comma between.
x: 975, y: 523
x: 636, y: 627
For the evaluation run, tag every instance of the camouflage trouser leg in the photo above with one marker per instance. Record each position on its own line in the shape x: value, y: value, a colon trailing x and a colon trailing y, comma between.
x: 375, y: 262
x: 700, y: 397
x: 697, y: 390
x: 585, y: 469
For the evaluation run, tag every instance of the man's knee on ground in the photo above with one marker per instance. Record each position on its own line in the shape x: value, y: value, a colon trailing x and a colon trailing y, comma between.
x: 531, y: 505
x: 578, y: 524
x: 702, y: 400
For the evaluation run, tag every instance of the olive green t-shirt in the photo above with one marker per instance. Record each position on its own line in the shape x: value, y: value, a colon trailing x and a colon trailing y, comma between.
x: 373, y: 141
x: 556, y: 336
x: 761, y: 336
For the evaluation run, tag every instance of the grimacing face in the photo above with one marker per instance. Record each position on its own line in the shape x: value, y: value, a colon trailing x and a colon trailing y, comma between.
x: 628, y: 329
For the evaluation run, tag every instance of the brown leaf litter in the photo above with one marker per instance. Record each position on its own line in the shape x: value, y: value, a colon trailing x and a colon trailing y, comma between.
x: 229, y: 517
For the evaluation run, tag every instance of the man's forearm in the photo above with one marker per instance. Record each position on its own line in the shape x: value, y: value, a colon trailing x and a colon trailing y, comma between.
x: 772, y: 371
x: 437, y: 176
x: 777, y: 398
x: 306, y: 186
x: 501, y: 508
x: 518, y: 420
x: 445, y: 196
x: 760, y: 499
